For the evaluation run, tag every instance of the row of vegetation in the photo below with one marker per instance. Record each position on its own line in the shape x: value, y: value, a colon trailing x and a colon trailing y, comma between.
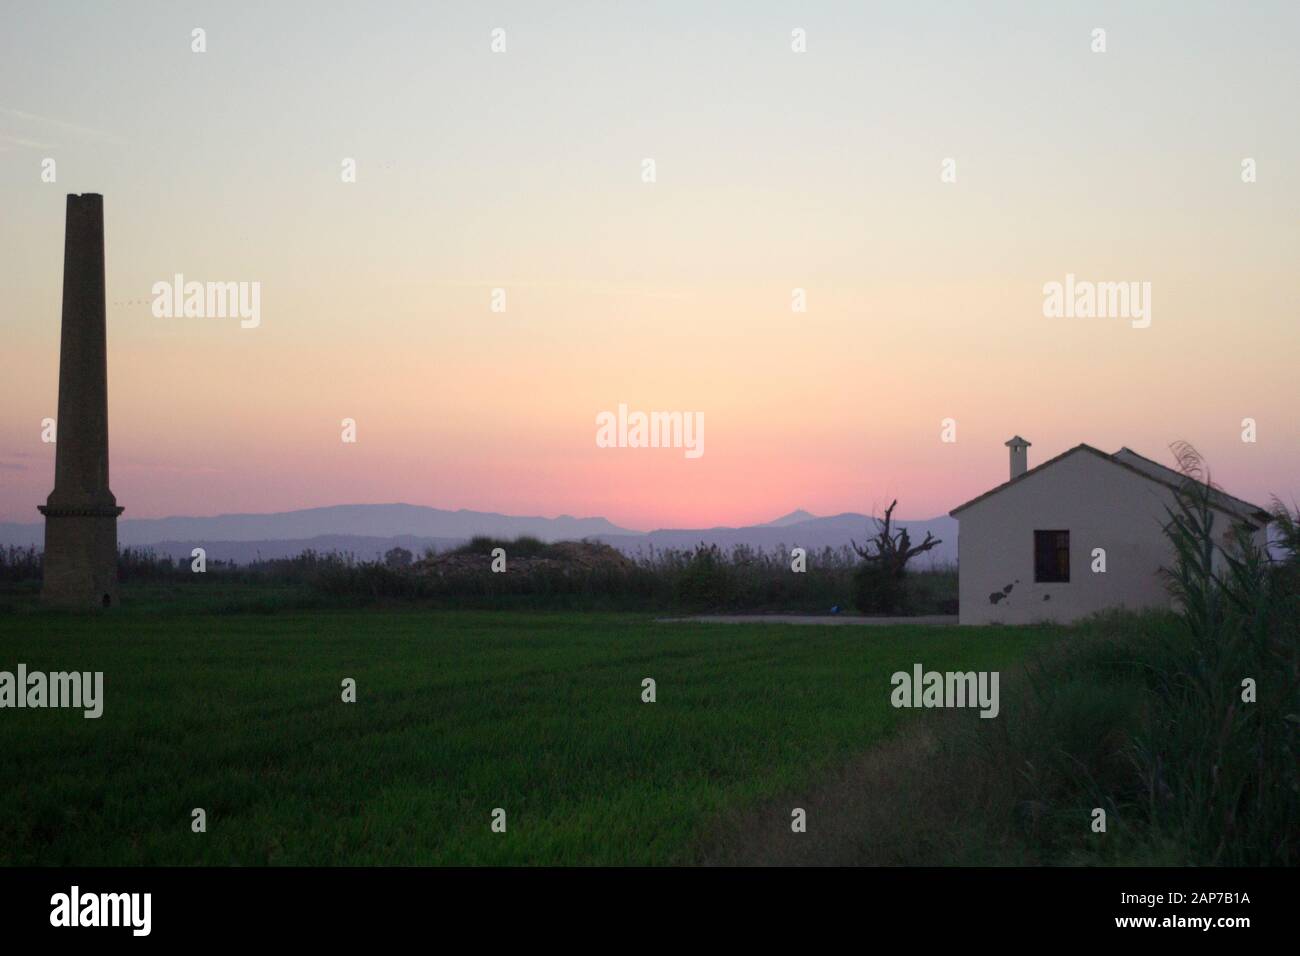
x: 565, y: 575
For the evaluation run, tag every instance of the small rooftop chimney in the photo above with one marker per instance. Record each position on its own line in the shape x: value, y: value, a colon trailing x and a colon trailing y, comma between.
x: 1019, y: 457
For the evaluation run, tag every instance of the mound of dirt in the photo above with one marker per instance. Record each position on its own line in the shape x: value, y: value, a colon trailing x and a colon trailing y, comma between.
x: 564, y: 557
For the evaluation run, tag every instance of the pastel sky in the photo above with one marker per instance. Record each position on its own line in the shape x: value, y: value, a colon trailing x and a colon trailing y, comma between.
x: 775, y: 170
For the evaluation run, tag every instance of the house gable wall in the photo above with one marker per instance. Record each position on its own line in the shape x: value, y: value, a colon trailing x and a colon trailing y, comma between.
x: 1102, y: 505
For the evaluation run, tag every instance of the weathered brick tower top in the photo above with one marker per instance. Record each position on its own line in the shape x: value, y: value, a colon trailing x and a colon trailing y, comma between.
x: 81, y: 512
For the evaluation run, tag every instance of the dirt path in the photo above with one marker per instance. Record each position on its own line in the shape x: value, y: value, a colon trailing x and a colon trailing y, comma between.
x: 822, y: 619
x: 899, y: 804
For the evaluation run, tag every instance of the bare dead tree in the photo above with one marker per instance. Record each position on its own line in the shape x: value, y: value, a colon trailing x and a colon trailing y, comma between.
x: 893, y: 550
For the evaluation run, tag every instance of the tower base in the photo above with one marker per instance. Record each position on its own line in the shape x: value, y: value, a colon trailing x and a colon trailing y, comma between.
x: 80, y: 557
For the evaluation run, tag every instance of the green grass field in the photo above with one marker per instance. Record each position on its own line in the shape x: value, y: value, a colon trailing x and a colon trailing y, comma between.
x: 458, y: 713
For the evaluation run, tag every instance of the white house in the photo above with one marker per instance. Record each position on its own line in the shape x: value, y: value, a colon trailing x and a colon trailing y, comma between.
x: 1026, y: 550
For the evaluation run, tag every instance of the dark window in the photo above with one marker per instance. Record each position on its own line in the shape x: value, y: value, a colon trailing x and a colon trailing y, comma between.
x: 1051, y: 556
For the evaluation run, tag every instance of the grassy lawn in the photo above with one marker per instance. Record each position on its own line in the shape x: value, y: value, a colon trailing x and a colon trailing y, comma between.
x: 457, y: 713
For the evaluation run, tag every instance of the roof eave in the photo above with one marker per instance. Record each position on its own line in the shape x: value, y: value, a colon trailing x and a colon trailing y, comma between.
x: 1255, y: 512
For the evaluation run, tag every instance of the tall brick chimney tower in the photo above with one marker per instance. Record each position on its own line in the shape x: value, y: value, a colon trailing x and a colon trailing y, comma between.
x: 81, y: 512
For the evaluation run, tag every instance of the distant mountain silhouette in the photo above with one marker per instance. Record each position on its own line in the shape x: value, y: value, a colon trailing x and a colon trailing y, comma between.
x: 365, y: 520
x: 794, y: 517
x: 367, y: 531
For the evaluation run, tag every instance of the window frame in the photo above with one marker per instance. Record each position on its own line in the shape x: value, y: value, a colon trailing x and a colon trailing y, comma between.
x: 1056, y: 543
